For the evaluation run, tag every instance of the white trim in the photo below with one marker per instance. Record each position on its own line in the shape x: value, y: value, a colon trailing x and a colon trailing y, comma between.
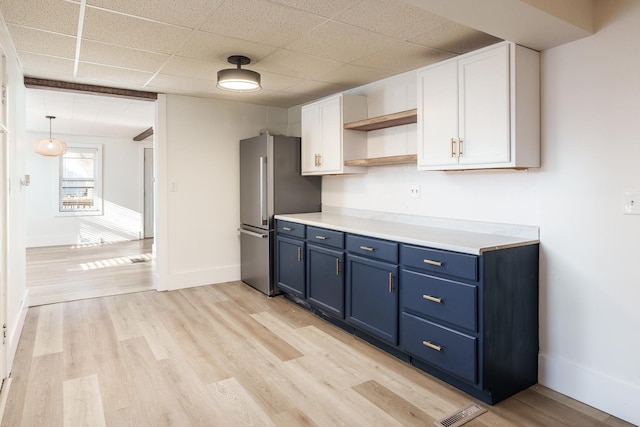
x: 190, y: 279
x: 160, y: 159
x: 597, y: 389
x: 16, y: 331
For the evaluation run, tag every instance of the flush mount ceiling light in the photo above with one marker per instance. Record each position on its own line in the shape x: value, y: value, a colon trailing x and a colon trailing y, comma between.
x: 50, y: 147
x: 237, y: 79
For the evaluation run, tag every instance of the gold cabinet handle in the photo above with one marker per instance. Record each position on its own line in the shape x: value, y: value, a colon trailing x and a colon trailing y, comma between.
x: 299, y: 253
x: 367, y: 248
x: 460, y: 147
x: 390, y: 283
x: 337, y: 266
x: 432, y: 262
x: 287, y: 228
x: 432, y: 346
x: 316, y: 160
x: 430, y: 298
x: 453, y: 147
x: 319, y: 159
x: 321, y: 238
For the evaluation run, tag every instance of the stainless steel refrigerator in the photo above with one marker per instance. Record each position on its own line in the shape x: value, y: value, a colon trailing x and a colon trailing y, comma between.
x: 270, y: 184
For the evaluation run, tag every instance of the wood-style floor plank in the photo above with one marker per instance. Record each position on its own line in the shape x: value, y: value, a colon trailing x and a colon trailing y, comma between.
x: 82, y: 403
x: 226, y: 355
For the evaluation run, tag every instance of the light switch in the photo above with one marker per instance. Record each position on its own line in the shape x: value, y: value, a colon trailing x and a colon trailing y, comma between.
x: 632, y: 202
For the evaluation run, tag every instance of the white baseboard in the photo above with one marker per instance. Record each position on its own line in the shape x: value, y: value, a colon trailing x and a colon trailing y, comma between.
x: 608, y: 394
x: 190, y: 279
x: 16, y: 330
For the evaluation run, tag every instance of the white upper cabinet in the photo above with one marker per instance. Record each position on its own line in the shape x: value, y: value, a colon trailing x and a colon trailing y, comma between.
x: 325, y: 143
x: 480, y: 110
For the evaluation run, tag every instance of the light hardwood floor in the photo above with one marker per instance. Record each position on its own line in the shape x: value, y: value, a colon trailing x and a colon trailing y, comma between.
x: 67, y: 273
x: 226, y: 355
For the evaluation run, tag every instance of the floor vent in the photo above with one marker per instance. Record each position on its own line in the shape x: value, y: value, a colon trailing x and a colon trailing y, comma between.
x: 137, y: 259
x: 461, y: 416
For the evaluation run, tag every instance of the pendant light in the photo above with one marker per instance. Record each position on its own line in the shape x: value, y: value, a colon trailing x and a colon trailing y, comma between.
x: 50, y: 147
x: 237, y: 79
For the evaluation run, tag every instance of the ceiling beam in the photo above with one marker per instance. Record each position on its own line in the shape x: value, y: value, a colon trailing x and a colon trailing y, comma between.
x: 536, y: 24
x: 32, y: 82
x: 144, y: 135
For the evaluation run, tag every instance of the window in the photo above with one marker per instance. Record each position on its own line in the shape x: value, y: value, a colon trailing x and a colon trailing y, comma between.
x: 80, y: 181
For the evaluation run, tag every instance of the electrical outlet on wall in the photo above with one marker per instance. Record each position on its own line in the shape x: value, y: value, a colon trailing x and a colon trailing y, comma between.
x: 414, y: 191
x: 632, y: 202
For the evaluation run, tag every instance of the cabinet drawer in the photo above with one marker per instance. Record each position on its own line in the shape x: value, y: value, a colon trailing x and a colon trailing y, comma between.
x: 326, y: 237
x: 442, y: 299
x: 441, y: 347
x: 293, y: 229
x: 442, y: 262
x: 373, y: 248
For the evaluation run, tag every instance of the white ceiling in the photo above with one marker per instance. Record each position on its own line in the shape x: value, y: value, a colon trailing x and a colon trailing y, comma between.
x: 304, y: 49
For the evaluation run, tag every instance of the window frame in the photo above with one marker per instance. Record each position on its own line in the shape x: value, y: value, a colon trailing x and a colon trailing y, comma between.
x: 97, y: 180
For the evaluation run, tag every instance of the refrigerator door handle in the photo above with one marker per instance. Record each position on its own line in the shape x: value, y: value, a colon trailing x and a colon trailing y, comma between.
x: 251, y: 233
x: 263, y: 191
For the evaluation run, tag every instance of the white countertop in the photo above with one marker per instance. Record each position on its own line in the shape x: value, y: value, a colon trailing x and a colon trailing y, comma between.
x: 434, y: 237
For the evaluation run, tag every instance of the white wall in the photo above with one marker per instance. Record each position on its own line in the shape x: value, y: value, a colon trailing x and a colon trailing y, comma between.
x: 198, y: 186
x: 589, y: 280
x: 591, y: 148
x: 123, y: 192
x: 12, y: 224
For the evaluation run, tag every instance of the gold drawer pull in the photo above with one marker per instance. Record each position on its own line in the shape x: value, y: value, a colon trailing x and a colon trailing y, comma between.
x: 432, y: 346
x: 453, y: 148
x: 432, y: 262
x: 299, y: 253
x: 287, y: 228
x: 337, y: 266
x: 367, y: 248
x: 390, y: 283
x: 321, y: 238
x: 430, y: 298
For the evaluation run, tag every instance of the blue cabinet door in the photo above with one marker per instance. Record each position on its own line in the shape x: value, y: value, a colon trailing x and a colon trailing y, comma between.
x: 372, y: 297
x: 325, y: 279
x: 291, y: 261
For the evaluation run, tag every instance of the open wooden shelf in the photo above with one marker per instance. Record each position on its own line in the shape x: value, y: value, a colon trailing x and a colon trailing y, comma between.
x: 386, y: 121
x: 381, y: 161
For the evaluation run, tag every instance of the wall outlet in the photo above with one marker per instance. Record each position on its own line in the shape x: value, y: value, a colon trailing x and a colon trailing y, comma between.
x: 414, y: 191
x: 632, y: 202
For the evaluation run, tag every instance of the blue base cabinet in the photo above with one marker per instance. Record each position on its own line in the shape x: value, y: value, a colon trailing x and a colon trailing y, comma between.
x: 325, y: 270
x: 470, y: 320
x: 372, y: 287
x: 290, y: 258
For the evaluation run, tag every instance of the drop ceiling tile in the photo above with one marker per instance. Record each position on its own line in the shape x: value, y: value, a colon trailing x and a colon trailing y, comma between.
x: 393, y: 18
x: 295, y: 64
x: 36, y: 65
x: 216, y: 48
x: 50, y: 15
x: 275, y: 81
x: 354, y: 75
x: 127, y: 31
x: 317, y: 89
x: 195, y: 68
x: 189, y: 14
x: 175, y: 84
x: 341, y: 42
x: 286, y: 99
x: 455, y: 37
x: 260, y: 21
x: 326, y: 8
x: 43, y: 42
x: 112, y: 75
x: 117, y: 56
x: 404, y: 56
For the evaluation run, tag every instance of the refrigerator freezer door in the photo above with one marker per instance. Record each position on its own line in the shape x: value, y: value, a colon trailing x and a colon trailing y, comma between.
x: 255, y: 254
x: 253, y: 182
